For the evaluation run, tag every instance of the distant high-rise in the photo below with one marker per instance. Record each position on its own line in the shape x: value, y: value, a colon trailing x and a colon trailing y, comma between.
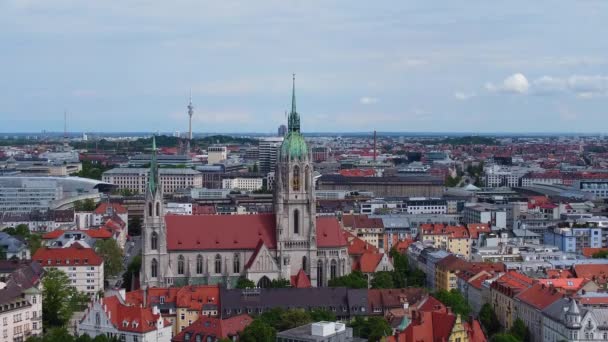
x: 282, y: 130
x: 268, y: 150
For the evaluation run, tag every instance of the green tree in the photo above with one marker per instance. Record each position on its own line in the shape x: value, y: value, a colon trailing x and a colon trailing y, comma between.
x: 132, y: 270
x: 293, y: 318
x: 134, y: 226
x: 319, y: 315
x: 520, y: 330
x: 382, y: 280
x: 489, y: 320
x: 258, y: 331
x: 354, y: 280
x: 272, y: 317
x: 504, y: 338
x: 112, y: 256
x: 59, y: 297
x: 279, y: 283
x: 454, y: 300
x: 373, y: 328
x: 34, y: 242
x: 244, y: 283
x: 86, y: 205
x: 600, y: 255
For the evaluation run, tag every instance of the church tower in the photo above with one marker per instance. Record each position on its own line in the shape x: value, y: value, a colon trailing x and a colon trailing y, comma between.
x: 154, y: 236
x: 295, y: 206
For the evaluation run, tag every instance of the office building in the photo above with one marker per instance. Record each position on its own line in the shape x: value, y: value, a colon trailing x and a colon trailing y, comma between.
x: 268, y: 151
x: 216, y: 154
x: 136, y: 179
x: 318, y: 332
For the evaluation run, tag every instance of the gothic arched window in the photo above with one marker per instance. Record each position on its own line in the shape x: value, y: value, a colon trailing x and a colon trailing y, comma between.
x: 305, y: 264
x: 199, y: 264
x: 154, y: 241
x: 157, y: 208
x: 333, y: 270
x: 218, y: 263
x: 180, y: 264
x: 296, y: 221
x: 306, y: 178
x: 296, y: 178
x: 236, y: 264
x: 154, y: 268
x: 97, y: 319
x: 149, y: 209
x: 319, y: 273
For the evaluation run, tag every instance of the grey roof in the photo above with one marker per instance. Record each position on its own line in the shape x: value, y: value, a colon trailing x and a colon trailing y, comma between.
x: 337, y: 299
x: 10, y: 243
x: 24, y: 278
x: 557, y: 311
x: 525, y: 233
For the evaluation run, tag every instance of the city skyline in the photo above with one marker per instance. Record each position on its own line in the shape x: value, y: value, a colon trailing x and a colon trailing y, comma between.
x: 467, y: 67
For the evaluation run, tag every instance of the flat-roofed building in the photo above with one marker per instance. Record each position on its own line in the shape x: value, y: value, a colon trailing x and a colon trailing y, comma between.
x: 136, y: 179
x: 404, y: 186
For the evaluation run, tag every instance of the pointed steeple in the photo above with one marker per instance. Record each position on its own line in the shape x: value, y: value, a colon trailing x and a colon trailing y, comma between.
x: 294, y: 117
x: 153, y: 168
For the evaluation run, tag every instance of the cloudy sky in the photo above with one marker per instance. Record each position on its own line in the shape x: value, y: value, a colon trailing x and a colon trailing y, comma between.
x: 441, y: 66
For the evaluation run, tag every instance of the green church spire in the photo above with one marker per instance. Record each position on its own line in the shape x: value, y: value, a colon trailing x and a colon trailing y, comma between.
x: 153, y: 168
x: 294, y: 117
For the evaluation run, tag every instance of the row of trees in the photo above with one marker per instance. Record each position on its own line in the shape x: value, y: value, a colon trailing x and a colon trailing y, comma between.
x: 62, y: 335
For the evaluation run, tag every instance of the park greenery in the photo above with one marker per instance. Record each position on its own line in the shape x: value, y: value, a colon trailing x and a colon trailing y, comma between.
x: 91, y: 170
x: 371, y: 328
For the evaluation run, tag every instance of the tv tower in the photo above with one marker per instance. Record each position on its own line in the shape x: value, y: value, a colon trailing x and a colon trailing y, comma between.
x: 190, y: 113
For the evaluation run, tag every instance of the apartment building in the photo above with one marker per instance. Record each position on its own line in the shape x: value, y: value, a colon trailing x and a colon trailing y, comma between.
x: 21, y: 304
x: 82, y: 265
x: 370, y: 230
x: 493, y: 215
x: 216, y: 154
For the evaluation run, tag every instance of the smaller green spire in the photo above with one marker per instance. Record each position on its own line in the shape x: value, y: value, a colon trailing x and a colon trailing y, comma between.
x: 153, y: 168
x: 294, y: 118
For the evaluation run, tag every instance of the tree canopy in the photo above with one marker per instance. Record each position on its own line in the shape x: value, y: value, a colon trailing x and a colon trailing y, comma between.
x: 354, y: 280
x: 112, y: 256
x: 383, y: 280
x: 372, y: 328
x: 62, y: 335
x: 60, y: 298
x: 454, y: 300
x: 244, y: 283
x: 132, y: 270
x: 489, y: 320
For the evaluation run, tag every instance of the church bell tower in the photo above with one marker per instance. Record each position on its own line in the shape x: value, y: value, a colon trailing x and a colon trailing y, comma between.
x: 295, y: 206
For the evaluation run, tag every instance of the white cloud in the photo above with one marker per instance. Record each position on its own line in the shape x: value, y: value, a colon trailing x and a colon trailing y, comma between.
x: 516, y: 83
x: 582, y: 86
x: 463, y: 96
x: 366, y: 100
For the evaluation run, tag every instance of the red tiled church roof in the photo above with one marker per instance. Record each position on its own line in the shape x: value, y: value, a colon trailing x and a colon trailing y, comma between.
x: 238, y: 232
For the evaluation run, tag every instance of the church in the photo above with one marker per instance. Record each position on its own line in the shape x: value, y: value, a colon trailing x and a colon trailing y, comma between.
x: 291, y: 243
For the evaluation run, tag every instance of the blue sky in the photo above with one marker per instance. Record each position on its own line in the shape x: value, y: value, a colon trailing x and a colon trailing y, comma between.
x: 480, y: 66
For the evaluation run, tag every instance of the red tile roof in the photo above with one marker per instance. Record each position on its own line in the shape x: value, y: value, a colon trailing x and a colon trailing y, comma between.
x: 93, y: 233
x: 103, y: 207
x: 595, y: 272
x: 192, y: 297
x: 589, y: 251
x: 512, y: 283
x: 120, y: 313
x: 74, y: 255
x: 215, y: 328
x: 300, y: 280
x: 539, y: 296
x: 567, y: 284
x: 368, y: 262
x: 555, y: 273
x: 477, y: 228
x: 362, y: 221
x: 357, y: 246
x: 211, y: 232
